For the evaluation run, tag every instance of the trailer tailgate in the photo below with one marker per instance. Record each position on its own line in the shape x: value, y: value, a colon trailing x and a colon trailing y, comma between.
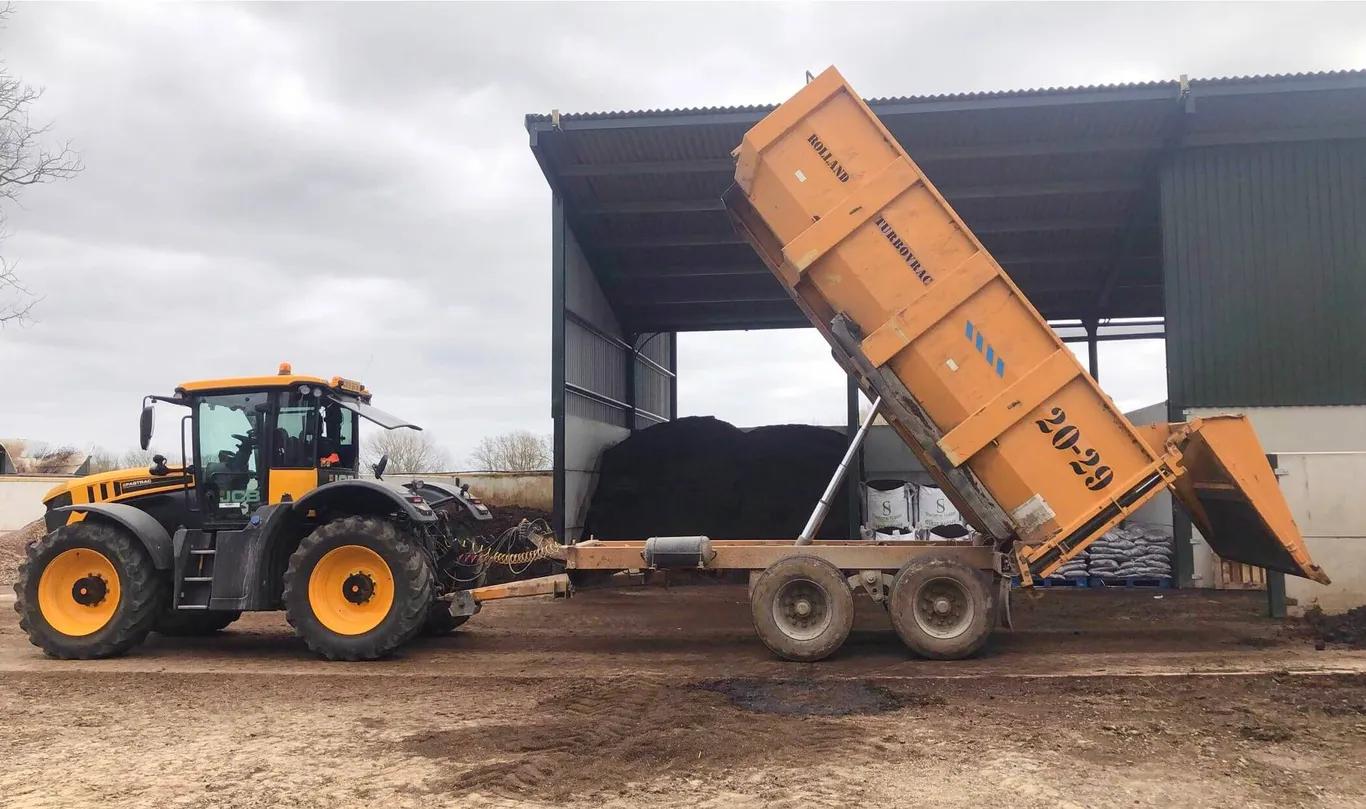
x: 1232, y: 496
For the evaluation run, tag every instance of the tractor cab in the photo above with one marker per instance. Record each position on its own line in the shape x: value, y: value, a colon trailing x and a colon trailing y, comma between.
x: 257, y: 441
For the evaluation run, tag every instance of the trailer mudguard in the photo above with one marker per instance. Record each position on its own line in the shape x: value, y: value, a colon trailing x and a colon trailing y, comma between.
x: 137, y: 522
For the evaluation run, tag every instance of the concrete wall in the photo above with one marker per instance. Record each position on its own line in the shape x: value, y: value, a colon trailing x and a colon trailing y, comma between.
x: 1329, y: 428
x: 21, y: 498
x: 1324, y: 492
x: 524, y: 489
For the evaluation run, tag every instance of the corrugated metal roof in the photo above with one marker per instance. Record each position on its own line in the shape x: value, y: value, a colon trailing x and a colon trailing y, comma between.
x: 1119, y: 87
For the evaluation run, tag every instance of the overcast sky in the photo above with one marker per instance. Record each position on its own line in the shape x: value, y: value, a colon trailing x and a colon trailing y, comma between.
x: 348, y: 187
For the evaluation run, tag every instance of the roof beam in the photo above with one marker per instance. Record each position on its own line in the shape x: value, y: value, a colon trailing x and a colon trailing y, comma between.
x: 1026, y: 99
x: 1010, y: 261
x: 1047, y: 225
x: 955, y: 194
x: 699, y: 166
x: 979, y: 151
x: 704, y: 299
x: 668, y: 240
x: 1064, y: 188
x: 1258, y: 85
x: 654, y: 206
x: 671, y: 291
x: 1285, y: 135
x: 655, y: 272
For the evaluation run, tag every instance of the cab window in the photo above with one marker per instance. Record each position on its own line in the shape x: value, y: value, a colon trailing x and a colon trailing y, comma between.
x: 337, y: 439
x: 296, y: 431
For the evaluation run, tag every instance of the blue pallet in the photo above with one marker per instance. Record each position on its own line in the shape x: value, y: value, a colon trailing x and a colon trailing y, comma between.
x: 1081, y: 582
x: 1133, y: 582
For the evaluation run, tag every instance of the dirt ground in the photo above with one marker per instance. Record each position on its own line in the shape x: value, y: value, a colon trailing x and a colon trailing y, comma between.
x: 663, y: 697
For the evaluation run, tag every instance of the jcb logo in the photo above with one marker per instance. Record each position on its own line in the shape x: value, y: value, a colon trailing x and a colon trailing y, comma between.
x: 248, y: 496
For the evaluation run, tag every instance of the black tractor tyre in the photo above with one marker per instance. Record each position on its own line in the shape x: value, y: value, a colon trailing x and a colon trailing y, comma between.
x: 942, y: 609
x: 141, y: 592
x: 411, y: 595
x: 803, y: 608
x: 440, y: 621
x: 194, y: 623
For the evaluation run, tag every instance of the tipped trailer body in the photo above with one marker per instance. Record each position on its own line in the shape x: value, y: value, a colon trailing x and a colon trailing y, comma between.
x: 999, y: 411
x: 1023, y: 441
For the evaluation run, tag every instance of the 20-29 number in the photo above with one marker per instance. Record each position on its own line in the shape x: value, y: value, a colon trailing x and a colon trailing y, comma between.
x: 1065, y: 437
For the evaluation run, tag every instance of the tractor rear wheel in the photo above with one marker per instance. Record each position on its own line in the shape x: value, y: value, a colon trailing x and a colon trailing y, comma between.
x: 803, y: 608
x: 356, y: 589
x: 193, y: 623
x: 87, y: 590
x: 942, y: 609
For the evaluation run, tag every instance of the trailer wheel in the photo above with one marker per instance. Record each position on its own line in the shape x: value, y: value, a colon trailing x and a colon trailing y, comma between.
x: 357, y: 589
x: 941, y: 608
x: 87, y: 590
x: 803, y: 608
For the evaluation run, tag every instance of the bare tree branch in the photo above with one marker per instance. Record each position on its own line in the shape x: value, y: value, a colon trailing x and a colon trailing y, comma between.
x: 518, y: 451
x: 24, y: 161
x: 408, y: 451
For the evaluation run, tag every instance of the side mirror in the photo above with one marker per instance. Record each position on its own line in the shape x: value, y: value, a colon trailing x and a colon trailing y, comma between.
x: 145, y: 426
x: 380, y: 466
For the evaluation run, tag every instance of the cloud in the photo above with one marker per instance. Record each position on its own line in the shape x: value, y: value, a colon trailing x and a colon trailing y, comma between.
x: 348, y: 186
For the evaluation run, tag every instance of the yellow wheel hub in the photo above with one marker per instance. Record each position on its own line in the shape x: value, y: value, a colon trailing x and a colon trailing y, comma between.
x: 351, y: 590
x: 78, y: 592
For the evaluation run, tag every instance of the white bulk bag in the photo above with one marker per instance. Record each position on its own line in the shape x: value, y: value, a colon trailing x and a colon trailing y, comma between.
x: 887, y: 505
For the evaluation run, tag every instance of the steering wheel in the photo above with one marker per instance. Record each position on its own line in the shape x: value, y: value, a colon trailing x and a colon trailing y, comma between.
x: 243, y: 439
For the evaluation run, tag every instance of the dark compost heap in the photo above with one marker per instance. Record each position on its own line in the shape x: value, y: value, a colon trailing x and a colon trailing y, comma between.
x: 700, y: 475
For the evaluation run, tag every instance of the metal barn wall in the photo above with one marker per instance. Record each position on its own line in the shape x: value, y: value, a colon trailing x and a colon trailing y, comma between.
x: 605, y: 382
x: 1264, y: 252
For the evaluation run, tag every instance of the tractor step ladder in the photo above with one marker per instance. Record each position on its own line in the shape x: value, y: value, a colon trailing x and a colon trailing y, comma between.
x: 195, y: 554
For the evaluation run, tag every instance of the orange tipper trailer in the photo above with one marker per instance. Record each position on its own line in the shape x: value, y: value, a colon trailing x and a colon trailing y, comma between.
x: 999, y: 411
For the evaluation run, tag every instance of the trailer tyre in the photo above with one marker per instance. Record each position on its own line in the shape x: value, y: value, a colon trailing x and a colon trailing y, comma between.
x: 86, y: 591
x: 942, y: 609
x: 803, y: 608
x: 357, y: 589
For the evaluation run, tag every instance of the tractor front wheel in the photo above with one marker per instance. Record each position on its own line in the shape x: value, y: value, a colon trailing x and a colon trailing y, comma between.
x: 357, y: 589
x: 87, y: 590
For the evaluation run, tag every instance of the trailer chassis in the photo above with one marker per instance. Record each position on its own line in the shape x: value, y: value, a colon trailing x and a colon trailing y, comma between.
x: 943, y: 598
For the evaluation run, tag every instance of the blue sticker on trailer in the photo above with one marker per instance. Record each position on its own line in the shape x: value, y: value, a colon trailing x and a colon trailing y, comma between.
x: 979, y: 341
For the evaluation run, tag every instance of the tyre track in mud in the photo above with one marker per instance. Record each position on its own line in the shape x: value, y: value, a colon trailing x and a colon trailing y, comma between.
x: 599, y: 739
